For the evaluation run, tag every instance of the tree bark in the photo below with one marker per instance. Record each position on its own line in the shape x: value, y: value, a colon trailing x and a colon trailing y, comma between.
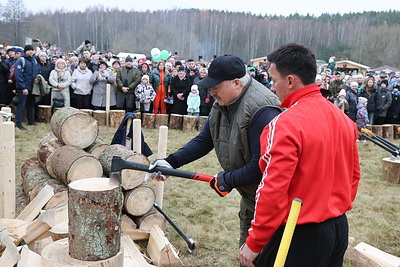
x: 116, y: 117
x: 175, y: 121
x: 35, y: 175
x: 29, y: 164
x: 74, y: 127
x: 387, y: 131
x: 161, y: 119
x: 44, y: 113
x: 94, y: 215
x: 189, y: 123
x: 100, y: 116
x: 391, y: 170
x: 148, y: 120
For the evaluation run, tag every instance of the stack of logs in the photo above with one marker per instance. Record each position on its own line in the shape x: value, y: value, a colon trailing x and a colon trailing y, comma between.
x: 74, y: 153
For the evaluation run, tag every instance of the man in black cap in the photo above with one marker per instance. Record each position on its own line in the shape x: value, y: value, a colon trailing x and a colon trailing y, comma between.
x: 26, y: 70
x: 128, y: 78
x: 242, y: 109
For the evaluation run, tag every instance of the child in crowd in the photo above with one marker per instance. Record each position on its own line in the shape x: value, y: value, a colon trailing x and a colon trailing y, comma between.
x: 362, y: 115
x: 193, y: 101
x: 341, y: 101
x: 145, y: 93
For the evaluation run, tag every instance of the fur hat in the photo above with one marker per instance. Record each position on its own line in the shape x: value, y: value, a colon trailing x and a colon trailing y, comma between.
x: 145, y: 77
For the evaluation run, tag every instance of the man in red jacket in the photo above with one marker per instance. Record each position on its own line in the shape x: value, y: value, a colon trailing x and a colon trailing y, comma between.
x: 309, y: 152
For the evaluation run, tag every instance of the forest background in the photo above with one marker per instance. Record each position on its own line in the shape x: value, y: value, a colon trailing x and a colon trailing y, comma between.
x: 370, y: 38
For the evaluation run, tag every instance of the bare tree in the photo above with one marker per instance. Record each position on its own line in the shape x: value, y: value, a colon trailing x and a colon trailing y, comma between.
x: 15, y: 14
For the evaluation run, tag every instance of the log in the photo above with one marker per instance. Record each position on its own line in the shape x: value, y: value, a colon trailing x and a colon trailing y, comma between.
x: 48, y: 145
x: 162, y: 120
x: 139, y: 200
x: 391, y: 170
x: 87, y: 111
x: 376, y: 129
x: 396, y: 131
x: 202, y: 122
x: 116, y: 117
x: 175, y: 121
x: 387, y: 131
x: 71, y: 163
x: 148, y: 120
x: 74, y: 127
x: 148, y: 220
x: 189, y: 123
x: 96, y: 148
x: 44, y: 113
x: 160, y: 249
x: 29, y: 164
x: 56, y: 184
x: 94, y: 219
x: 130, y: 178
x: 100, y: 117
x: 34, y: 176
x: 127, y: 223
x: 56, y: 255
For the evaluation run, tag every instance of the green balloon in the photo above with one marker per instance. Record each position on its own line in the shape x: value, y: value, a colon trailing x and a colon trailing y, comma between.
x: 156, y: 59
x: 164, y: 55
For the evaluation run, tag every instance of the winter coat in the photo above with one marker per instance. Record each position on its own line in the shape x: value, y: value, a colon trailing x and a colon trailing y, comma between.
x: 393, y: 113
x: 180, y: 86
x: 132, y: 76
x: 206, y: 100
x: 81, y: 81
x: 45, y: 69
x: 383, y: 102
x: 335, y: 86
x: 25, y: 73
x: 155, y: 80
x: 55, y: 81
x: 145, y: 93
x: 99, y: 88
x: 371, y: 97
x: 362, y: 116
x: 193, y: 102
x: 352, y: 100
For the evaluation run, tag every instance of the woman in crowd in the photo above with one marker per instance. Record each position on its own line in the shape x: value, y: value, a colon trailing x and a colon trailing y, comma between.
x: 180, y: 88
x: 60, y: 80
x: 100, y: 78
x: 81, y: 85
x: 160, y: 80
x: 369, y: 91
x: 352, y: 100
x: 206, y: 100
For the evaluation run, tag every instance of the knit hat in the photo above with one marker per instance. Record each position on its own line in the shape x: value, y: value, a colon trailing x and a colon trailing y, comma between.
x: 145, y: 77
x: 60, y: 60
x: 28, y: 47
x: 73, y: 59
x: 342, y: 92
x: 362, y: 100
x: 385, y: 82
x: 128, y: 59
x: 135, y: 64
x: 41, y: 54
x: 318, y: 77
x: 19, y: 50
x: 354, y: 84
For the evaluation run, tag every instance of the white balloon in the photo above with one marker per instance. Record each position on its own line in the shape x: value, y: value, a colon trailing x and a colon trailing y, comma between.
x: 155, y: 52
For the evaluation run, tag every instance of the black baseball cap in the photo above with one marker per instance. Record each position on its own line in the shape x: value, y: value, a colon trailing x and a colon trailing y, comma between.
x: 223, y: 68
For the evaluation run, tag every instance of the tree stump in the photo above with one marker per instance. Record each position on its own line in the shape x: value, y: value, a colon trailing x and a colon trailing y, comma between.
x: 202, y: 122
x: 387, y: 131
x: 391, y: 170
x: 74, y: 127
x: 44, y: 113
x: 116, y: 117
x: 71, y: 163
x: 100, y: 116
x: 148, y: 220
x: 130, y: 178
x: 96, y: 148
x: 57, y: 255
x: 189, y: 123
x: 175, y: 121
x: 161, y: 120
x: 139, y: 200
x: 396, y: 131
x: 94, y: 219
x: 148, y: 120
x: 375, y: 129
x: 87, y: 111
x: 28, y: 164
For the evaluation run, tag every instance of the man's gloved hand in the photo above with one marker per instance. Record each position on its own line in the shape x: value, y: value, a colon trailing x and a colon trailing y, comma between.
x: 157, y: 176
x: 218, y: 184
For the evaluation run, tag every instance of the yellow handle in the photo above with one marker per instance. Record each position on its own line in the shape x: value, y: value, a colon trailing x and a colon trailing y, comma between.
x: 288, y: 233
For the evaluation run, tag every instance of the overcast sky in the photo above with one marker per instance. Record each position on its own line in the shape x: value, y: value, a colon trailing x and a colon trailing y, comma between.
x: 281, y: 7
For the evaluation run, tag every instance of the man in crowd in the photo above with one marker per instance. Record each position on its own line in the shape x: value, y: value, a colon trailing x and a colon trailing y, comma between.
x: 242, y: 108
x: 26, y: 70
x: 310, y: 132
x: 337, y: 84
x: 128, y: 78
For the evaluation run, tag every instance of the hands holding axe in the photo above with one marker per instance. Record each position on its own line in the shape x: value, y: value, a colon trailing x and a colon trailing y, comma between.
x: 159, y: 170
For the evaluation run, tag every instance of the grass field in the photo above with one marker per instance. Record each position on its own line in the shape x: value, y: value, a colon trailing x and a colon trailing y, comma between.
x: 213, y: 222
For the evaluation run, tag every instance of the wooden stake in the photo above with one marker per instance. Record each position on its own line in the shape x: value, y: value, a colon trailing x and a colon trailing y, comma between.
x: 8, y: 135
x: 108, y: 91
x: 2, y: 176
x: 128, y: 140
x: 162, y: 153
x: 137, y: 136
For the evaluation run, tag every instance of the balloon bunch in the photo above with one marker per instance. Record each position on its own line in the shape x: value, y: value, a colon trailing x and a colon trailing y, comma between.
x: 158, y: 55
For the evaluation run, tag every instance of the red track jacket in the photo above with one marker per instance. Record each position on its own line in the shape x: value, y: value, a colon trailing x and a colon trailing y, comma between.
x: 309, y: 152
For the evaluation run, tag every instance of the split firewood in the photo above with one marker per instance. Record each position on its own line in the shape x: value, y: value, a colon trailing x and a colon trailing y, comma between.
x: 132, y: 255
x: 32, y: 210
x: 10, y: 255
x: 29, y: 258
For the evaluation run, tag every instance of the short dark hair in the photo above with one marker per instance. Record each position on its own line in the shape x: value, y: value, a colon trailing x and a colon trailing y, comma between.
x: 295, y: 59
x: 84, y: 60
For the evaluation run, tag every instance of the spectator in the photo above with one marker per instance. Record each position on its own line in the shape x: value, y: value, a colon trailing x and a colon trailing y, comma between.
x: 337, y: 84
x: 26, y: 71
x: 193, y: 101
x: 369, y: 91
x: 332, y: 64
x: 341, y: 102
x: 191, y: 70
x: 4, y: 74
x: 180, y: 88
x: 362, y: 115
x: 352, y: 100
x: 393, y: 114
x: 94, y: 62
x: 144, y: 69
x: 128, y: 78
x: 86, y: 46
x: 45, y: 69
x: 60, y: 80
x: 81, y: 85
x: 100, y: 78
x: 146, y: 94
x: 206, y: 100
x: 383, y: 102
x: 161, y: 81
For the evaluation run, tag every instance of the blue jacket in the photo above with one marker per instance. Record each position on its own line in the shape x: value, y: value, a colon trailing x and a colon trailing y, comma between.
x: 25, y: 73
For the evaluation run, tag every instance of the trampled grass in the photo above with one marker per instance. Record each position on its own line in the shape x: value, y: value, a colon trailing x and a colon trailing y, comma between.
x: 213, y: 222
